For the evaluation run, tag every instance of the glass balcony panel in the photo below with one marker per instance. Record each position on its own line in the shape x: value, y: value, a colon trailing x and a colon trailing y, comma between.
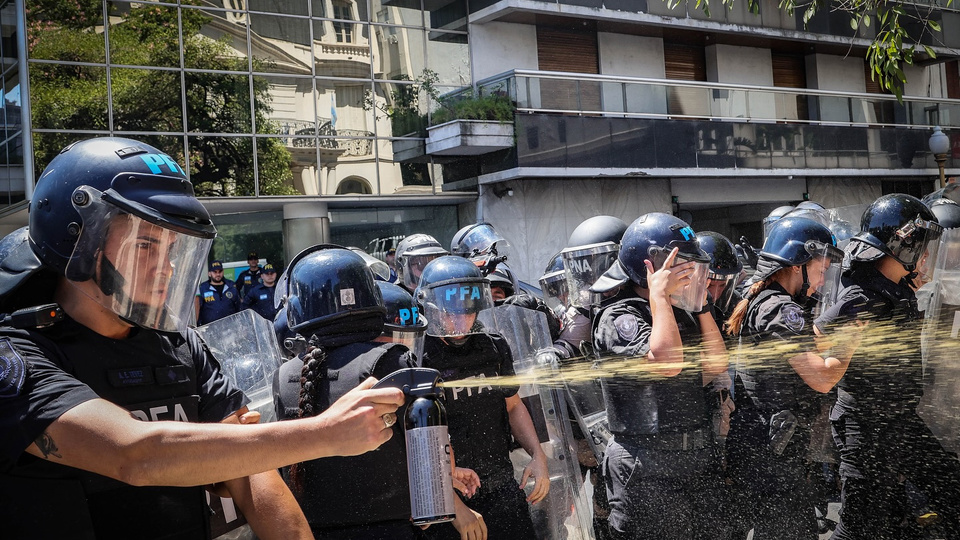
x: 612, y: 96
x: 222, y: 166
x: 214, y: 39
x: 282, y: 44
x: 65, y: 32
x: 760, y: 104
x: 726, y: 103
x: 449, y: 57
x: 220, y: 102
x: 292, y: 109
x: 146, y: 100
x: 688, y: 101
x: 834, y: 109
x: 646, y: 98
x: 285, y: 169
x: 65, y: 96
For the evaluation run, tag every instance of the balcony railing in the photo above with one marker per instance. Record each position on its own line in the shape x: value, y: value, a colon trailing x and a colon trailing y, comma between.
x: 582, y: 94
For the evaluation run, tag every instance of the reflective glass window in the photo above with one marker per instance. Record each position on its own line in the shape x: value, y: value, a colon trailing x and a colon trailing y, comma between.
x: 222, y: 166
x: 344, y: 108
x: 146, y: 100
x: 401, y: 53
x: 449, y: 57
x: 65, y: 31
x: 402, y: 12
x: 144, y: 34
x: 339, y: 52
x: 68, y: 96
x: 220, y: 102
x: 214, y: 39
x: 291, y: 108
x: 401, y: 108
x: 285, y: 169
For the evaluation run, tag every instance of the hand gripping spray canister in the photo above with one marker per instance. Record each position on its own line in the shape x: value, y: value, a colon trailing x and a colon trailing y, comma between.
x: 428, y: 445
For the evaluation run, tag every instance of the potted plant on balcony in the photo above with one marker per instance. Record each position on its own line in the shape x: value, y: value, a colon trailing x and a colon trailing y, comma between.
x: 468, y: 124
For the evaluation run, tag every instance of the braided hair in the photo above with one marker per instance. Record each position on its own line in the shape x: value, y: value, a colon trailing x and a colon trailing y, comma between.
x: 314, y: 364
x: 735, y: 322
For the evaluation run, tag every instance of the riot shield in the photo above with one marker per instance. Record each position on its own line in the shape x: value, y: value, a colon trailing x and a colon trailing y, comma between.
x: 940, y: 300
x: 583, y: 266
x: 566, y: 511
x: 246, y: 347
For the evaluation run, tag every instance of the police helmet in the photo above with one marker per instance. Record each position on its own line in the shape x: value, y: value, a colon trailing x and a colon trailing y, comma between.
x: 95, y: 203
x: 723, y: 254
x: 450, y: 288
x: 478, y: 240
x: 947, y: 212
x: 773, y: 216
x: 897, y: 225
x: 795, y: 241
x: 554, y: 285
x: 412, y: 255
x: 842, y: 230
x: 331, y: 293
x: 650, y: 237
x: 596, y: 230
x: 403, y: 322
x: 504, y: 278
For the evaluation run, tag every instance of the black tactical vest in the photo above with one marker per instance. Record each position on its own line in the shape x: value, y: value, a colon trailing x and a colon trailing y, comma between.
x: 55, y: 501
x: 348, y: 491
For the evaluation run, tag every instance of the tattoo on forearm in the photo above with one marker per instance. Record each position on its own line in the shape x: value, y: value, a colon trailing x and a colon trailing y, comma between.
x: 47, y: 447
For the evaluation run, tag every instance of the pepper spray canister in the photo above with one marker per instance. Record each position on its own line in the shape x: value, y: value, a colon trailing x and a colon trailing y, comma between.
x: 428, y: 445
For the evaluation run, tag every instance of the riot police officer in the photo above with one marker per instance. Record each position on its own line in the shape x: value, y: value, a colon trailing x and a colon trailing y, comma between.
x: 413, y: 254
x: 482, y: 244
x: 481, y: 419
x: 779, y: 378
x: 331, y: 299
x: 725, y: 269
x: 260, y: 297
x: 660, y: 467
x: 875, y: 423
x: 217, y: 297
x: 250, y: 277
x: 118, y: 239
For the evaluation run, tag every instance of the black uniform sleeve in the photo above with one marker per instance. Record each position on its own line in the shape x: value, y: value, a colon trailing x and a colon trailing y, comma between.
x: 505, y: 367
x: 34, y: 392
x: 783, y: 319
x: 851, y: 301
x: 397, y: 357
x: 219, y: 396
x: 622, y: 331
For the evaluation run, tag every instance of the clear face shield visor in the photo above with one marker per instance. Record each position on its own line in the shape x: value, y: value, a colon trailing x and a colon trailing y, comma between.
x: 555, y: 291
x: 694, y: 294
x: 940, y: 298
x: 482, y: 241
x: 721, y: 288
x: 451, y: 307
x: 144, y: 273
x: 410, y: 338
x: 823, y: 274
x: 915, y: 245
x: 583, y: 266
x: 413, y: 266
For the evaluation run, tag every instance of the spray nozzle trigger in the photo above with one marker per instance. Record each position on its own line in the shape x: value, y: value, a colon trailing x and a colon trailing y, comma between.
x: 414, y: 382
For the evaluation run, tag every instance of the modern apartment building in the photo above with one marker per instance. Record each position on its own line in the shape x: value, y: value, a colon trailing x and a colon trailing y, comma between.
x: 300, y: 121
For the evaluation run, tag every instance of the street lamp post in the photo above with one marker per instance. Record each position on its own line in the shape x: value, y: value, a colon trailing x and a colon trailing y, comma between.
x: 939, y: 146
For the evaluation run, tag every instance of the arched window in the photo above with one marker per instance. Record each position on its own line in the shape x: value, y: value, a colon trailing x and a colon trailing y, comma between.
x: 354, y: 185
x: 343, y: 9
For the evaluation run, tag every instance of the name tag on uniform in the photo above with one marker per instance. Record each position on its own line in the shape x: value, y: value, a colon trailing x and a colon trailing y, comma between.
x: 263, y: 296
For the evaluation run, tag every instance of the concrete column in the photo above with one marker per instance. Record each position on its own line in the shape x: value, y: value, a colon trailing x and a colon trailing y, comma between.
x: 304, y: 225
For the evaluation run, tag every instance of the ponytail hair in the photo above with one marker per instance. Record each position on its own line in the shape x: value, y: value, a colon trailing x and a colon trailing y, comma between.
x: 314, y: 362
x: 735, y: 322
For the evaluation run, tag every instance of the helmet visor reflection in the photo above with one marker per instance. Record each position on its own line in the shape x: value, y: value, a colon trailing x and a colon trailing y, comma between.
x: 451, y: 307
x: 144, y: 273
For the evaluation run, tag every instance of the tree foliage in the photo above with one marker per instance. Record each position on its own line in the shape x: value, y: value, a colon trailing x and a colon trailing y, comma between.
x: 70, y: 97
x: 900, y: 29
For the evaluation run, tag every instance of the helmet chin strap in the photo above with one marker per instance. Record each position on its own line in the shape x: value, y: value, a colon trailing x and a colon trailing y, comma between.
x: 806, y: 284
x: 111, y: 282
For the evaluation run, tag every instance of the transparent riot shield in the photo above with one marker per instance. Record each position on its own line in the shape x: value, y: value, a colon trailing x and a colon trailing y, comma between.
x: 583, y: 266
x: 940, y: 301
x: 566, y: 512
x: 246, y: 347
x: 844, y: 223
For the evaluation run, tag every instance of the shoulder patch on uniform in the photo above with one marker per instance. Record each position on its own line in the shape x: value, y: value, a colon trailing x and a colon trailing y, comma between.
x: 626, y: 326
x: 792, y: 317
x: 12, y: 370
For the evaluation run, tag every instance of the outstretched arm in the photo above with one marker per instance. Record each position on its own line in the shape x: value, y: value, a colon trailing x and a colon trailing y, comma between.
x: 521, y: 425
x: 101, y: 437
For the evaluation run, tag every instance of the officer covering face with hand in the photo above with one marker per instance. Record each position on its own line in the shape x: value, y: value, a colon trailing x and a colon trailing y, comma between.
x: 113, y: 415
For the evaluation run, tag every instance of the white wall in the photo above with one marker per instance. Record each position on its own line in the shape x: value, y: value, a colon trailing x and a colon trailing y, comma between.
x: 497, y: 47
x: 540, y: 216
x: 831, y: 72
x: 630, y: 56
x: 740, y: 65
